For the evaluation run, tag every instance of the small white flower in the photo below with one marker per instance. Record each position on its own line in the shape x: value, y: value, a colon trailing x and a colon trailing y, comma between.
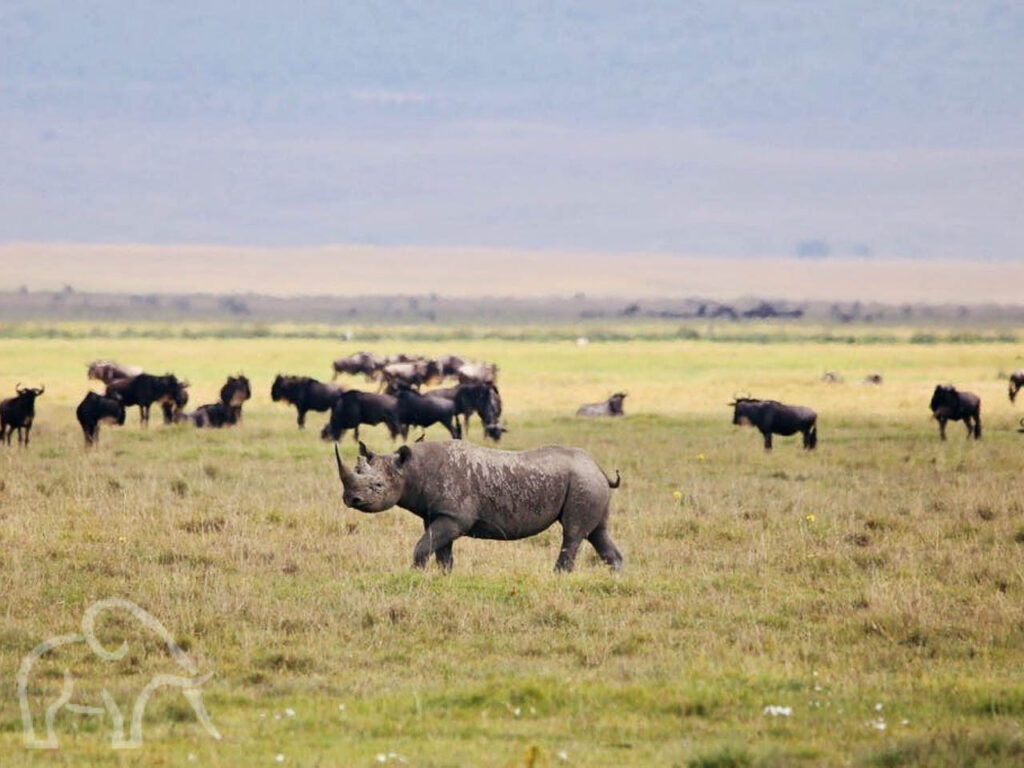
x: 191, y: 757
x: 878, y: 707
x: 279, y: 759
x: 277, y: 717
x: 878, y: 725
x: 775, y: 710
x: 904, y: 721
x: 341, y: 707
x: 289, y: 712
x: 381, y: 757
x: 517, y: 711
x: 562, y: 755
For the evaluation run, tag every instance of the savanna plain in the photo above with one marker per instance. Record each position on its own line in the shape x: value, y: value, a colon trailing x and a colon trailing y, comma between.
x: 871, y: 590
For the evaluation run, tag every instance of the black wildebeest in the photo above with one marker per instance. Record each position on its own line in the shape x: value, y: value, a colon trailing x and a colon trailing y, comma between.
x: 450, y: 364
x: 772, y: 417
x: 173, y: 407
x: 18, y: 413
x: 145, y: 389
x: 460, y: 489
x: 1016, y: 382
x: 109, y: 371
x: 305, y: 393
x: 365, y: 363
x: 95, y: 410
x: 610, y: 407
x: 355, y: 408
x: 416, y: 410
x: 483, y: 400
x: 950, y: 405
x: 235, y: 391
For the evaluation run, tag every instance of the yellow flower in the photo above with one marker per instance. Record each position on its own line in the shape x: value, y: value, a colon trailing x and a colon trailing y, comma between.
x: 122, y: 539
x: 677, y: 495
x: 810, y: 518
x: 700, y: 457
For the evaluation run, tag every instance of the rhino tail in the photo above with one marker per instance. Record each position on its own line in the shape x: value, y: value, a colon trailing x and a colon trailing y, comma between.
x: 618, y: 480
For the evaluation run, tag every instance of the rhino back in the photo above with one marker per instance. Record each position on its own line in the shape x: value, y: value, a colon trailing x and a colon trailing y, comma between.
x: 498, y: 494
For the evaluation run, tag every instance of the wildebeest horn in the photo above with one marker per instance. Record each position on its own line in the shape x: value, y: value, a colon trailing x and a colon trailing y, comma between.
x: 185, y: 383
x: 42, y: 389
x: 344, y: 473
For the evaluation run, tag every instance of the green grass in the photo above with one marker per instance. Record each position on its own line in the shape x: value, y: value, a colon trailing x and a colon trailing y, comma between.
x: 882, y: 569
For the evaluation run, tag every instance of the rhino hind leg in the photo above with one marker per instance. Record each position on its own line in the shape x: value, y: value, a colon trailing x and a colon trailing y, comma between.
x: 605, y: 547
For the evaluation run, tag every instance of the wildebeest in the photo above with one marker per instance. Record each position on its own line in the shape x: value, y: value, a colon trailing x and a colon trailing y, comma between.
x: 772, y: 417
x: 145, y: 389
x: 365, y: 363
x: 416, y: 410
x: 236, y: 391
x: 485, y: 401
x: 460, y: 489
x: 355, y: 408
x: 610, y: 407
x: 18, y: 413
x: 305, y: 393
x: 484, y: 373
x: 174, y: 407
x: 950, y: 405
x: 413, y: 373
x: 831, y: 377
x: 98, y: 409
x: 1016, y: 382
x: 450, y: 364
x: 108, y: 371
x: 873, y: 378
x: 215, y: 415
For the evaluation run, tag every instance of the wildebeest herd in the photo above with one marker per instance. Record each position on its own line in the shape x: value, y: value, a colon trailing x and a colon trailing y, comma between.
x: 457, y: 489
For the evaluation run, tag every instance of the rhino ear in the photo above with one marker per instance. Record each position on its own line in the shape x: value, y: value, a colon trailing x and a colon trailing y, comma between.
x: 364, y: 451
x: 403, y: 455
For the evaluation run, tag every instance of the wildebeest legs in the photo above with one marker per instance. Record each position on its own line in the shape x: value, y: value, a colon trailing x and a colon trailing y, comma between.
x: 942, y: 428
x: 767, y: 440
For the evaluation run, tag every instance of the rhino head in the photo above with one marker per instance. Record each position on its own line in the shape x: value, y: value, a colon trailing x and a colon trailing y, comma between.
x: 378, y: 481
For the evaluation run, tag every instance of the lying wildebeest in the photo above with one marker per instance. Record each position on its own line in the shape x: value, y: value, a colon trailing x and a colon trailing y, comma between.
x: 236, y: 391
x: 873, y: 378
x: 215, y: 415
x: 18, y: 413
x: 355, y: 408
x: 108, y: 371
x: 410, y: 374
x: 950, y: 405
x: 610, y: 407
x: 95, y: 410
x: 1016, y: 382
x: 305, y: 393
x: 416, y: 410
x: 365, y: 363
x: 1021, y: 428
x: 145, y: 389
x: 483, y: 373
x: 461, y: 489
x: 831, y: 377
x: 485, y: 401
x: 772, y: 417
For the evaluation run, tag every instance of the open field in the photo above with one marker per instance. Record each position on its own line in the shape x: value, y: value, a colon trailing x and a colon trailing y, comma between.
x: 354, y: 270
x: 874, y: 586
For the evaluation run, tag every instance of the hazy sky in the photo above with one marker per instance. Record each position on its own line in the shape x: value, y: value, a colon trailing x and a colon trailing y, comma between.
x: 712, y: 128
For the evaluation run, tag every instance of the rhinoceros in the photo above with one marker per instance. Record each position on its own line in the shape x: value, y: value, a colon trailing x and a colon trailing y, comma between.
x: 461, y: 489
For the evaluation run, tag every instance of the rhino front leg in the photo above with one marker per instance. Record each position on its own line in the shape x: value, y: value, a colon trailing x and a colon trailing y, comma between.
x: 438, y: 538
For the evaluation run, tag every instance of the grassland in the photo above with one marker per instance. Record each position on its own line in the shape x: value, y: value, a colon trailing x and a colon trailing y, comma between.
x: 875, y: 586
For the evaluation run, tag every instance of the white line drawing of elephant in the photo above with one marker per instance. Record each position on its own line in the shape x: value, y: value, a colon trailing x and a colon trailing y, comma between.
x: 188, y: 684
